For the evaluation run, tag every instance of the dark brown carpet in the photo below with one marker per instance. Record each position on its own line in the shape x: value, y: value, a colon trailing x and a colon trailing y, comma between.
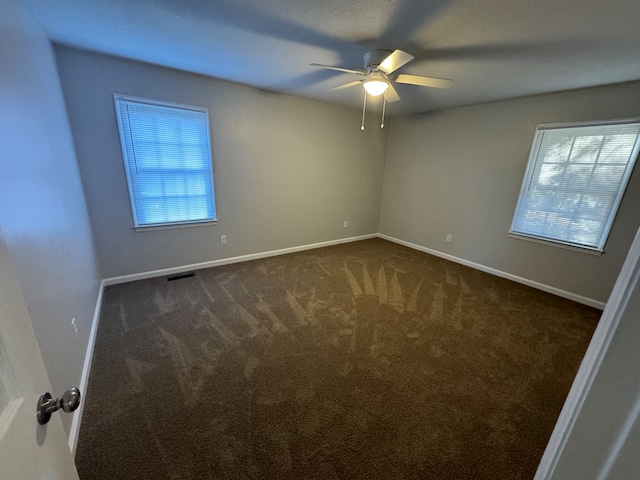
x: 360, y: 361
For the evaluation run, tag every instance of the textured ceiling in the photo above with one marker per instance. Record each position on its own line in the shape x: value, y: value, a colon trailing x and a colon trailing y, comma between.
x: 493, y: 49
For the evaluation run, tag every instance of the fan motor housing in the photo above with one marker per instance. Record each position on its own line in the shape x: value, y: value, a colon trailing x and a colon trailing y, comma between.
x: 374, y: 58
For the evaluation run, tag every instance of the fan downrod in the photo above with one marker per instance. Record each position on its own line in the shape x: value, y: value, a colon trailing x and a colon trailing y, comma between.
x: 374, y: 58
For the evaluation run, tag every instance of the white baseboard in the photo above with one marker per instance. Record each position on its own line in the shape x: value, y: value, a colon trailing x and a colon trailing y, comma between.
x: 540, y: 286
x: 86, y: 369
x: 254, y: 256
x: 227, y: 261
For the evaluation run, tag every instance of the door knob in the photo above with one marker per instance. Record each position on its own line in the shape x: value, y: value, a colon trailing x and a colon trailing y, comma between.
x: 68, y: 402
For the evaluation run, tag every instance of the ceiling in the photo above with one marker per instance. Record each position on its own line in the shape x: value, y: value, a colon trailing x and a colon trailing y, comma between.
x: 493, y: 49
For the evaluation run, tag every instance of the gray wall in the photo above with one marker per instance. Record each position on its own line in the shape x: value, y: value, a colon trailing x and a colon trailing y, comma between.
x: 42, y: 208
x: 459, y: 171
x: 288, y: 171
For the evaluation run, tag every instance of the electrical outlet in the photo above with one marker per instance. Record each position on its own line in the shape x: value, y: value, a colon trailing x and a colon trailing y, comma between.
x: 223, y: 239
x: 74, y: 327
x: 345, y: 224
x: 449, y: 237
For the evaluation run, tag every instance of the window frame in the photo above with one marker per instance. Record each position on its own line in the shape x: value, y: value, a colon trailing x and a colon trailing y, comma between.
x: 137, y: 225
x: 530, y: 172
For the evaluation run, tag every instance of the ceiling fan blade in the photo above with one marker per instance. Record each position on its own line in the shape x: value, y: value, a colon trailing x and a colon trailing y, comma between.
x: 338, y: 69
x: 424, y: 81
x: 346, y: 85
x: 394, y: 61
x: 391, y: 94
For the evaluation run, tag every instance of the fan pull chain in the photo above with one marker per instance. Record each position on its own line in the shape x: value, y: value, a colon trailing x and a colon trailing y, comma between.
x: 384, y: 108
x: 364, y: 109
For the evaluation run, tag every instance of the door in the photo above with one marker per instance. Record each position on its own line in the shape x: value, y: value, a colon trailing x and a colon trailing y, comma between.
x: 27, y: 450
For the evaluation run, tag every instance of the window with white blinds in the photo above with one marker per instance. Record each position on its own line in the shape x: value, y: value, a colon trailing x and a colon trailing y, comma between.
x: 574, y: 182
x: 167, y: 156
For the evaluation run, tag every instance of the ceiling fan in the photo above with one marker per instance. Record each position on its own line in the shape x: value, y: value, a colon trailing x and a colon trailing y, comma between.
x: 379, y: 77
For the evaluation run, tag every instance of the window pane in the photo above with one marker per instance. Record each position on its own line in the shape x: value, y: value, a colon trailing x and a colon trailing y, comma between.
x: 586, y: 149
x: 617, y: 148
x: 558, y: 149
x: 607, y: 177
x: 552, y: 175
x: 578, y: 176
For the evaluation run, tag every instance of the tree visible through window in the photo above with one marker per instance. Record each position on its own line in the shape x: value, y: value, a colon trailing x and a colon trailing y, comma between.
x: 167, y: 156
x: 574, y: 182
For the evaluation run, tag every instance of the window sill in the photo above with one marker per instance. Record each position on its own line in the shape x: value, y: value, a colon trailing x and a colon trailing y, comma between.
x: 171, y: 226
x: 575, y: 248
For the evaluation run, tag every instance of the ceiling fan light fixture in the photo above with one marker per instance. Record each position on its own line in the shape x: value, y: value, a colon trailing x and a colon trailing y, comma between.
x: 375, y: 87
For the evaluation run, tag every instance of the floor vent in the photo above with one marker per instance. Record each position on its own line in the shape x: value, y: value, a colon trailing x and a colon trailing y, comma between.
x: 181, y: 276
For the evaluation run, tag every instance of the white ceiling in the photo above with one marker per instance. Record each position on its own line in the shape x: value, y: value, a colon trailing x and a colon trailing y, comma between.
x: 493, y: 49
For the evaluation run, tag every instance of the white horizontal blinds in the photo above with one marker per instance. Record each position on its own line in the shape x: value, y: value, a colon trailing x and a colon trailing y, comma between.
x: 574, y: 182
x: 168, y: 159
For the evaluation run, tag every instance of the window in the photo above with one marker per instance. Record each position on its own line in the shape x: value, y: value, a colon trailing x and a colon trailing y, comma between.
x: 574, y: 182
x: 167, y: 157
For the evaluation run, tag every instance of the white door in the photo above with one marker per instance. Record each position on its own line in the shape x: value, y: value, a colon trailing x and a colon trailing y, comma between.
x: 28, y: 451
